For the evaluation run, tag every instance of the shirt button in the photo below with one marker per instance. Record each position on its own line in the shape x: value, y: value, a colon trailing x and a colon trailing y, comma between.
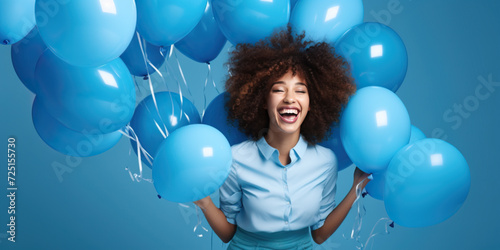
x: 286, y: 222
x: 288, y: 203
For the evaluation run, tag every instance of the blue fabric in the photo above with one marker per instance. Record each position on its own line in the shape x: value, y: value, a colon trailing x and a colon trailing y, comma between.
x: 262, y: 195
x: 289, y: 240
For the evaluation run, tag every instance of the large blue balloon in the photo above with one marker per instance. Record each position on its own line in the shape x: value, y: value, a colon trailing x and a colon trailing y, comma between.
x: 86, y: 98
x: 206, y: 40
x: 248, y: 21
x: 376, y: 54
x: 374, y: 126
x: 135, y: 59
x: 170, y: 115
x: 86, y: 33
x: 192, y: 163
x: 17, y: 19
x: 163, y: 23
x: 376, y: 186
x: 426, y: 183
x: 335, y: 144
x: 68, y: 141
x: 25, y: 55
x: 216, y: 116
x: 326, y: 20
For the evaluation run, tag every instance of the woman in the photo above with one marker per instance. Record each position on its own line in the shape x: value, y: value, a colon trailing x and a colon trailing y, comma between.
x: 285, y: 93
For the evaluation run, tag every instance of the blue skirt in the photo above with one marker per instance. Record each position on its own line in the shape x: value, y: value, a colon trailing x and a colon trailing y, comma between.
x: 287, y: 240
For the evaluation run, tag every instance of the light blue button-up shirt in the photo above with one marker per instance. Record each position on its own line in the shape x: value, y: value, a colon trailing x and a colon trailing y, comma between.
x: 262, y: 195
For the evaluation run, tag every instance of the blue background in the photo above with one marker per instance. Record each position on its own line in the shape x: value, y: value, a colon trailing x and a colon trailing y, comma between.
x: 97, y: 206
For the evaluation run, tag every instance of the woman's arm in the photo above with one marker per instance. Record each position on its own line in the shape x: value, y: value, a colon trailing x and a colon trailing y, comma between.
x: 216, y: 219
x: 337, y: 216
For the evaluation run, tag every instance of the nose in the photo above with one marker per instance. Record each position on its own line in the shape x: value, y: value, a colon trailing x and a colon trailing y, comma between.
x: 290, y: 97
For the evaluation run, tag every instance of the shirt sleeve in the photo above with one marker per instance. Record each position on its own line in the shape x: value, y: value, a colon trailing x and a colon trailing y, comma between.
x: 230, y: 196
x: 328, y: 196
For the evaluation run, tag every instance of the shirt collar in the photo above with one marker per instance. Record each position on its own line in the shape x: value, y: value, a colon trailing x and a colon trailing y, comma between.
x: 296, y: 153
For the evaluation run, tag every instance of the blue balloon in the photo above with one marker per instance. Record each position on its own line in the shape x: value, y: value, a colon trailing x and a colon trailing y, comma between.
x: 250, y: 20
x: 326, y: 20
x: 426, y: 183
x: 170, y: 115
x: 25, y: 55
x: 86, y: 33
x: 375, y: 187
x: 206, y: 40
x: 216, y: 116
x: 416, y: 134
x: 67, y: 141
x: 163, y: 23
x: 135, y: 59
x: 86, y: 98
x: 192, y: 163
x: 17, y: 19
x: 376, y: 54
x: 374, y: 126
x: 335, y: 144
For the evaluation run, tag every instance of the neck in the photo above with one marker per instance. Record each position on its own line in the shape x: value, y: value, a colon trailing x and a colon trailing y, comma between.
x: 283, y: 143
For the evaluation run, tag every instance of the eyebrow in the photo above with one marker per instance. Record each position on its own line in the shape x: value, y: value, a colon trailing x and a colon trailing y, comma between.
x: 297, y: 83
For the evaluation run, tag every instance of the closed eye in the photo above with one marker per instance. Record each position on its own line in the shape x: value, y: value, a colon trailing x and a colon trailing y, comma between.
x: 277, y: 90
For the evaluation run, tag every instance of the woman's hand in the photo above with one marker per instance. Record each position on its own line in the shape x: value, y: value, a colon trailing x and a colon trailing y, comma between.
x: 203, y: 203
x: 360, y: 176
x: 216, y: 219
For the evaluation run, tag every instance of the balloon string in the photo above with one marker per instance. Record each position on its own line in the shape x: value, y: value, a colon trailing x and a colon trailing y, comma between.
x: 182, y: 74
x: 199, y: 223
x: 358, y: 221
x: 388, y: 223
x: 144, y: 55
x: 212, y: 78
x: 142, y: 46
x: 169, y: 69
x: 130, y: 133
x: 205, y: 91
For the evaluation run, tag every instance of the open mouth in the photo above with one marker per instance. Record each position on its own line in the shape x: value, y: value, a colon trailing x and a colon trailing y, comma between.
x: 288, y: 115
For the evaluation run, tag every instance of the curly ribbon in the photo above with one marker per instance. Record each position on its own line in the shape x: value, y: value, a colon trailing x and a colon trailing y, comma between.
x: 198, y: 225
x: 170, y: 71
x: 388, y: 223
x: 361, y: 211
x: 130, y: 133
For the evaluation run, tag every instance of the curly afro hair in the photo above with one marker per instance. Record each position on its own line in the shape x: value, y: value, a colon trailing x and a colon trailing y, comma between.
x: 254, y: 67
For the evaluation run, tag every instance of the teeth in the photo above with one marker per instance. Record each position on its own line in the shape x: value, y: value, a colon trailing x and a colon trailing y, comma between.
x: 288, y: 111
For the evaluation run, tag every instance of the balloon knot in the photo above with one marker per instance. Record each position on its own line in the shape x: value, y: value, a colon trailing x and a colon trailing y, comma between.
x: 208, y: 63
x: 364, y: 194
x: 159, y: 196
x: 392, y: 224
x: 6, y: 41
x: 146, y: 77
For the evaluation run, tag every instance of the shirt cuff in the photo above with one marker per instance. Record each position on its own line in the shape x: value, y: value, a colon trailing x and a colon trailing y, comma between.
x: 232, y: 221
x: 318, y: 225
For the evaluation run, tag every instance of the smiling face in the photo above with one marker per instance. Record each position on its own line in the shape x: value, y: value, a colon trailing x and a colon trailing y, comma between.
x: 287, y: 104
